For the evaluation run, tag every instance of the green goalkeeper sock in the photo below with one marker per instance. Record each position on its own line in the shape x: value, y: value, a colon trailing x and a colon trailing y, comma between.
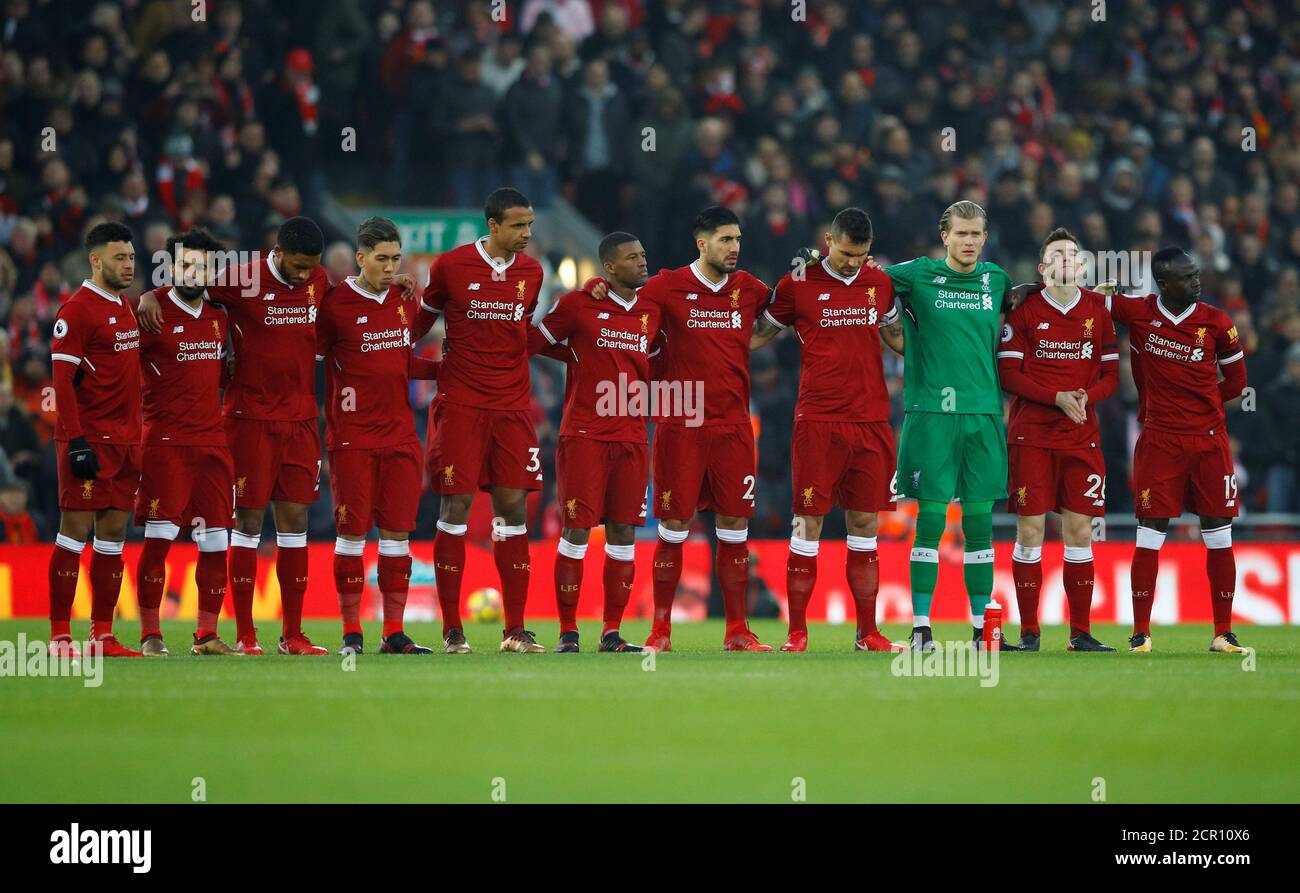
x: 930, y: 521
x: 977, y: 569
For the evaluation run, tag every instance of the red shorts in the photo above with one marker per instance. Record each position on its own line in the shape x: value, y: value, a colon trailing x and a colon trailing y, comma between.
x: 710, y: 468
x: 601, y: 481
x: 1176, y: 471
x: 188, y: 486
x: 1042, y: 480
x: 849, y: 464
x: 114, y: 486
x: 274, y: 461
x: 479, y: 449
x: 376, y: 487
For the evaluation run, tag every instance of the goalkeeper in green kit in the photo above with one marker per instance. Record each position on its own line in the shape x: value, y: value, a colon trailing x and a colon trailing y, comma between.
x: 953, y: 442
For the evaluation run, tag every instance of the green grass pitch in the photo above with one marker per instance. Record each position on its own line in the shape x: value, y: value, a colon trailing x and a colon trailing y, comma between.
x: 1179, y: 725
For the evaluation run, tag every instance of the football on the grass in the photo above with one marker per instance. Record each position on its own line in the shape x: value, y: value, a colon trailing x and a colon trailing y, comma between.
x: 484, y: 605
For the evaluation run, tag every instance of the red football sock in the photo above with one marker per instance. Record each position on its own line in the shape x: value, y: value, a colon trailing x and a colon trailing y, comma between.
x: 243, y: 576
x: 568, y: 586
x: 732, y: 568
x: 291, y: 571
x: 105, y: 586
x: 863, y: 571
x: 667, y: 574
x: 150, y: 573
x: 1142, y: 580
x: 210, y: 577
x: 394, y: 584
x: 618, y: 578
x: 511, y: 556
x: 65, y: 567
x: 800, y: 578
x: 1221, y: 568
x: 1028, y: 576
x: 349, y: 583
x: 1078, y: 579
x: 449, y: 564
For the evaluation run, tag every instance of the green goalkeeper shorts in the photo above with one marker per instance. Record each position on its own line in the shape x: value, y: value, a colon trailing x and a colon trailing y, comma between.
x: 942, y: 455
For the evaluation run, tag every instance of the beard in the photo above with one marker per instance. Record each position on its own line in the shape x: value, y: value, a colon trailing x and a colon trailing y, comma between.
x: 116, y: 280
x: 189, y: 292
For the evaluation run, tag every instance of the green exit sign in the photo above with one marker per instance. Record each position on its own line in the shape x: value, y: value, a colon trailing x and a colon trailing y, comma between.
x: 433, y: 231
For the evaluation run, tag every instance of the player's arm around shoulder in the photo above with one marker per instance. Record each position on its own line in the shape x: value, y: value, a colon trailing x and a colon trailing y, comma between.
x: 776, y: 314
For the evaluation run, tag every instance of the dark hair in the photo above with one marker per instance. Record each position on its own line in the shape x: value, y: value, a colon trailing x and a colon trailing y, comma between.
x: 300, y: 235
x: 712, y: 217
x: 609, y: 245
x: 199, y: 239
x: 854, y: 225
x: 102, y: 233
x: 502, y: 200
x: 374, y: 230
x: 1161, y: 260
x: 1060, y: 234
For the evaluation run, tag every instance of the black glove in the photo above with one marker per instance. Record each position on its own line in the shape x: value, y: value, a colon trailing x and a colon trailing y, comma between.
x: 805, y: 257
x: 85, y: 464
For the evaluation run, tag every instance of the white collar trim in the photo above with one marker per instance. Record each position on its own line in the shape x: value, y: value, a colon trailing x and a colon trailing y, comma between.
x: 270, y: 262
x: 195, y: 312
x: 491, y: 261
x: 849, y: 281
x: 1064, y: 308
x: 378, y: 299
x: 1160, y: 305
x: 99, y: 291
x: 613, y: 296
x: 706, y: 283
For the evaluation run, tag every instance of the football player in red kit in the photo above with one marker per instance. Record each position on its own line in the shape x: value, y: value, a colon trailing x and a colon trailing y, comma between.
x: 1182, y: 458
x: 189, y: 477
x: 704, y: 457
x: 270, y: 417
x: 95, y: 351
x: 363, y: 335
x: 843, y: 446
x: 481, y: 435
x: 602, y: 461
x: 1058, y: 357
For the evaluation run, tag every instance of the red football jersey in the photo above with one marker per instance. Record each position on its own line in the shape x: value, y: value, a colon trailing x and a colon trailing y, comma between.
x: 1176, y: 361
x: 705, y: 329
x: 96, y: 331
x: 365, y: 342
x: 486, y: 307
x: 611, y: 344
x: 182, y: 368
x: 273, y: 336
x: 837, y: 320
x: 1061, y: 349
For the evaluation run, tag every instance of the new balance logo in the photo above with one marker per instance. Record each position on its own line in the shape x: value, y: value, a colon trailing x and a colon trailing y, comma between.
x: 474, y: 286
x: 112, y: 320
x: 602, y: 316
x: 1044, y: 325
x: 362, y: 319
x: 692, y: 297
x: 269, y: 296
x: 824, y: 296
x: 940, y: 280
x: 178, y: 329
x: 1155, y: 323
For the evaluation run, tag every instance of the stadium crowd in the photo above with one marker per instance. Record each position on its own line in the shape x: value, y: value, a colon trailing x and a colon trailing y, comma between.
x: 1166, y: 123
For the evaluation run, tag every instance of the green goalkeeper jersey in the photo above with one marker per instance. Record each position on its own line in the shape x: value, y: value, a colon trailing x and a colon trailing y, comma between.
x: 950, y: 323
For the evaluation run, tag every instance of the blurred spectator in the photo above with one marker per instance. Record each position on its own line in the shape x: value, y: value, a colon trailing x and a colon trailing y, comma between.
x: 468, y: 110
x: 1280, y: 408
x: 18, y: 524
